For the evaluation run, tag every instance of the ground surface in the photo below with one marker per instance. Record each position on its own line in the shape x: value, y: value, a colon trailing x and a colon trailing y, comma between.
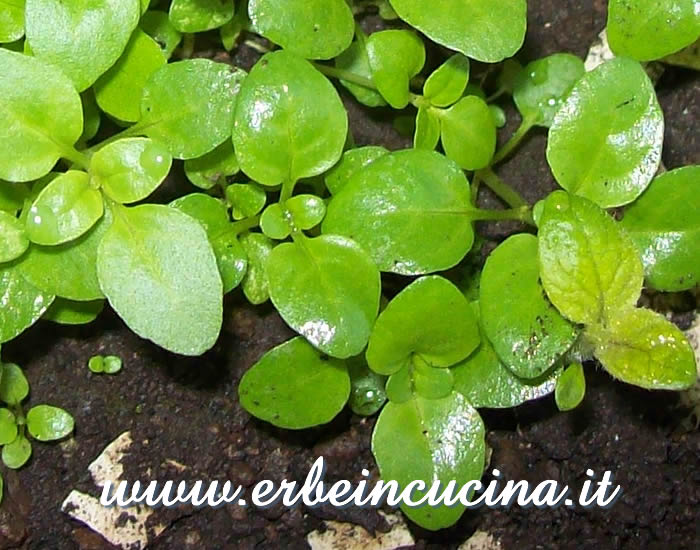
x: 185, y: 412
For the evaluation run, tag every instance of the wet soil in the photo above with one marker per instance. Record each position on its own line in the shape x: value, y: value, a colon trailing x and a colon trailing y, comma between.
x: 187, y: 422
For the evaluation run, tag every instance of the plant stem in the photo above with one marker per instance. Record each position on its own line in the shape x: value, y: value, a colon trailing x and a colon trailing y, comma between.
x: 244, y: 225
x: 525, y: 126
x: 126, y: 132
x: 287, y: 190
x: 521, y: 214
x: 348, y: 76
x: 476, y: 183
x: 187, y: 46
x: 257, y: 47
x: 76, y: 157
x: 501, y: 188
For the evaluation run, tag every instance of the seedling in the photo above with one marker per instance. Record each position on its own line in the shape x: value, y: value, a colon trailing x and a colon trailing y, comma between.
x: 110, y: 364
x: 286, y: 208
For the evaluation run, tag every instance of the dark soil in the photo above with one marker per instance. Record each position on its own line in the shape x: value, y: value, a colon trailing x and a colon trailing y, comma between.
x: 185, y: 411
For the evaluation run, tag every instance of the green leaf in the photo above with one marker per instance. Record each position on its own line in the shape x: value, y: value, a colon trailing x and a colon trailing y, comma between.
x: 119, y: 90
x: 664, y: 225
x: 167, y: 290
x: 47, y: 423
x: 64, y: 210
x: 367, y: 394
x: 650, y: 29
x: 12, y: 196
x: 354, y: 60
x: 688, y: 57
x: 430, y: 440
x: 571, y: 387
x: 91, y: 115
x: 96, y: 364
x: 486, y: 382
x: 158, y: 26
x: 395, y: 57
x: 498, y: 115
x: 23, y: 303
x: 112, y: 364
x: 68, y: 270
x: 290, y: 122
x: 200, y: 15
x: 351, y: 163
x: 526, y: 331
x: 231, y: 31
x: 14, y: 387
x: 83, y: 38
x: 283, y: 386
x: 16, y: 454
x: 68, y: 312
x: 214, y: 167
x: 305, y: 211
x: 257, y: 247
x: 589, y: 267
x: 327, y: 289
x: 431, y: 382
x: 641, y: 347
x: 427, y: 134
x: 315, y: 29
x: 605, y: 141
x: 11, y: 20
x: 274, y: 222
x: 13, y: 239
x: 447, y: 83
x: 398, y: 335
x: 188, y: 106
x: 541, y: 87
x: 483, y: 30
x: 246, y: 199
x: 42, y: 116
x: 8, y: 426
x: 409, y: 210
x: 468, y: 133
x: 213, y: 215
x: 130, y: 169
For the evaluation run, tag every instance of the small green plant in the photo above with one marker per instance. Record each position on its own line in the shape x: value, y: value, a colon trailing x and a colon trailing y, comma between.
x: 285, y: 207
x: 110, y: 364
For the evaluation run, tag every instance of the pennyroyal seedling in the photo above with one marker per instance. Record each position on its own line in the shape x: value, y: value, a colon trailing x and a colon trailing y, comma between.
x: 286, y: 207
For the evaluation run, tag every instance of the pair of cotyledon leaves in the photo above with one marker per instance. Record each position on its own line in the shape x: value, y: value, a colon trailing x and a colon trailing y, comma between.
x: 323, y: 29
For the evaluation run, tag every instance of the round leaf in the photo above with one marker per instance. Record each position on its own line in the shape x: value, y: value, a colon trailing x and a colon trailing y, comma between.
x: 13, y: 240
x: 246, y: 199
x: 130, y: 169
x: 427, y: 134
x: 16, y: 454
x: 430, y: 440
x: 68, y: 312
x: 119, y: 90
x: 8, y: 426
x: 200, y: 15
x: 81, y: 37
x: 486, y: 382
x: 11, y: 20
x: 468, y: 133
x: 158, y: 270
x: 188, y: 106
x: 42, y: 116
x: 327, y: 289
x: 481, y: 29
x: 294, y: 387
x: 64, y: 210
x: 367, y: 394
x: 274, y: 222
x: 526, y: 331
x: 68, y: 270
x: 205, y: 172
x: 641, y: 347
x: 14, y: 387
x: 257, y: 248
x: 540, y: 88
x: 451, y: 335
x: 290, y: 122
x: 651, y: 29
x: 395, y: 57
x: 158, y: 26
x: 351, y: 163
x: 355, y: 61
x: 605, y: 141
x: 409, y: 210
x: 12, y: 196
x: 571, y: 387
x: 665, y: 226
x: 47, y: 423
x: 306, y: 211
x: 447, y: 83
x: 315, y: 29
x: 22, y: 303
x: 589, y: 267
